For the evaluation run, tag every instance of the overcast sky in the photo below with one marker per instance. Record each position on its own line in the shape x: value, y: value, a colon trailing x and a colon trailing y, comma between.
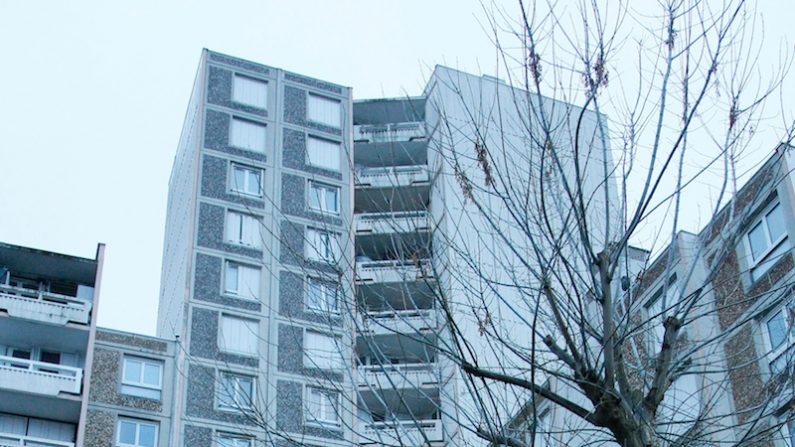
x: 93, y: 94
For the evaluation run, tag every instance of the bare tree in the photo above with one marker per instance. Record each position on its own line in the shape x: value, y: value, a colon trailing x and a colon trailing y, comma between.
x: 521, y: 294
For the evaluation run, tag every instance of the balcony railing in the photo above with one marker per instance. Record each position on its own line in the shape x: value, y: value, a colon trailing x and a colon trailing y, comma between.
x: 409, y: 375
x: 393, y: 271
x: 39, y: 377
x: 378, y: 133
x: 400, y: 322
x: 403, y: 433
x: 12, y: 440
x: 385, y: 223
x: 392, y: 176
x: 44, y: 306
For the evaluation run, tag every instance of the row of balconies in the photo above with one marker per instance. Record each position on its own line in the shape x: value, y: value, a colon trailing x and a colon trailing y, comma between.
x: 402, y: 433
x: 30, y: 376
x: 12, y: 440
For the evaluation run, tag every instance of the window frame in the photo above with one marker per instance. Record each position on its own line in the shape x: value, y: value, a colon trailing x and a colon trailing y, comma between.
x: 338, y: 147
x: 325, y: 285
x: 248, y: 169
x: 236, y: 395
x: 240, y: 236
x: 140, y: 385
x: 221, y: 338
x: 313, y: 185
x: 252, y: 79
x: 229, y: 264
x: 331, y: 248
x: 249, y: 122
x: 231, y: 436
x: 758, y: 266
x: 311, y: 419
x: 772, y: 355
x: 319, y: 120
x: 321, y: 359
x: 138, y: 423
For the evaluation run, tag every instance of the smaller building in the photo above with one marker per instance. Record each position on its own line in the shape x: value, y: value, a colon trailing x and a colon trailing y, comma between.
x: 131, y: 394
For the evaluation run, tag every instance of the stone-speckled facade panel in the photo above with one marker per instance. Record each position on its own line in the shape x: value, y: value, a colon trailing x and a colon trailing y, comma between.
x: 132, y: 340
x: 320, y: 85
x: 291, y: 355
x: 208, y: 284
x: 216, y: 136
x: 106, y: 383
x: 211, y: 232
x: 294, y: 154
x: 292, y: 289
x: 289, y: 412
x: 215, y: 183
x: 294, y: 201
x: 219, y: 92
x: 196, y: 436
x: 746, y: 380
x: 240, y: 63
x: 200, y: 397
x: 204, y: 339
x: 100, y: 429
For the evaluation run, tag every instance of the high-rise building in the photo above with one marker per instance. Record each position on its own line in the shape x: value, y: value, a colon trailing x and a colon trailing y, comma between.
x: 258, y: 237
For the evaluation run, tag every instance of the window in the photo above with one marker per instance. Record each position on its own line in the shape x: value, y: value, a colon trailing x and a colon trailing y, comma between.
x: 321, y: 245
x: 323, y: 153
x: 322, y: 351
x: 225, y: 440
x: 324, y: 110
x: 324, y: 198
x: 242, y: 280
x: 767, y: 241
x: 250, y: 91
x: 321, y: 295
x: 133, y: 432
x: 243, y: 229
x: 142, y: 377
x: 247, y: 135
x: 779, y: 337
x: 235, y: 391
x: 322, y: 406
x: 662, y: 305
x: 247, y: 180
x: 238, y: 335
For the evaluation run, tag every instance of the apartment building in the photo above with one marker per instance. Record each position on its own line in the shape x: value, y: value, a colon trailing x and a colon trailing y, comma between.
x: 257, y: 259
x: 47, y: 332
x: 733, y: 281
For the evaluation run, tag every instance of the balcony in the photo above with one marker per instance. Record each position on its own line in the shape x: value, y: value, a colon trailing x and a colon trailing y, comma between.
x: 392, y: 176
x: 44, y: 306
x: 399, y: 322
x: 396, y: 377
x: 389, y: 223
x: 12, y: 440
x: 402, y: 433
x: 377, y: 133
x: 34, y: 377
x: 393, y: 271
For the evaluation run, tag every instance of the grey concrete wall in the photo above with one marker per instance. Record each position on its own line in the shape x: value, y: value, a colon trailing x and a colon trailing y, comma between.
x: 292, y: 292
x: 216, y: 136
x: 200, y: 399
x: 207, y: 284
x: 240, y: 63
x: 215, y: 183
x: 196, y: 436
x: 211, y: 232
x: 294, y: 154
x: 204, y: 339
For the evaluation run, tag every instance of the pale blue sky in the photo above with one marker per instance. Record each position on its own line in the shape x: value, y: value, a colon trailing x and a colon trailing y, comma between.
x: 93, y: 93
